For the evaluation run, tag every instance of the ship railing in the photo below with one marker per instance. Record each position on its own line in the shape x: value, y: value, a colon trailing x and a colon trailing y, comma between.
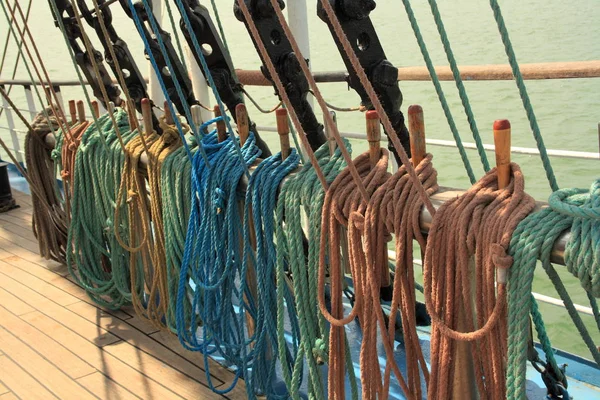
x: 561, y: 70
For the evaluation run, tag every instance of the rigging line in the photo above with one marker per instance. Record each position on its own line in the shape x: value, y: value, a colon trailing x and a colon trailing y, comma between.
x: 61, y: 26
x: 286, y: 100
x: 372, y: 96
x: 4, y: 52
x: 459, y: 84
x: 440, y: 92
x: 20, y: 49
x: 88, y: 48
x: 211, y: 82
x: 341, y: 109
x: 60, y: 115
x: 175, y: 33
x: 195, y: 129
x: 120, y: 77
x: 258, y: 107
x: 222, y: 32
x: 329, y: 120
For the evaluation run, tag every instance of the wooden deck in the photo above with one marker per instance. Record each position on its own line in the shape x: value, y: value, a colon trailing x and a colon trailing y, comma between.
x: 56, y: 343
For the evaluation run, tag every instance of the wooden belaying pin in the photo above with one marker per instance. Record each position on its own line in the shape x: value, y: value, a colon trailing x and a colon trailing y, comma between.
x: 81, y: 111
x: 96, y: 109
x: 147, y: 116
x: 111, y: 107
x: 73, y: 111
x: 48, y: 95
x: 416, y: 127
x: 221, y: 128
x: 197, y: 116
x: 502, y: 142
x: 373, y: 136
x: 329, y: 135
x: 168, y: 116
x: 283, y: 128
x: 241, y: 115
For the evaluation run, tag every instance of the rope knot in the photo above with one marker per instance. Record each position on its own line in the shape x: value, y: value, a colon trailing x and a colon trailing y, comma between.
x: 170, y: 136
x: 73, y: 146
x: 219, y: 200
x: 131, y: 196
x: 502, y: 261
x: 320, y: 351
x: 65, y: 175
x: 55, y: 154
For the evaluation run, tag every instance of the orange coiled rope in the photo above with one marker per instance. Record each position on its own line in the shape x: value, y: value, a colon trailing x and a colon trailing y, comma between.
x: 344, y: 206
x: 475, y: 226
x: 395, y: 208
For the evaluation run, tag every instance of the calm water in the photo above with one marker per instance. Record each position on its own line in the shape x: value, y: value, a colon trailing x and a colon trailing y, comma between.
x: 568, y: 111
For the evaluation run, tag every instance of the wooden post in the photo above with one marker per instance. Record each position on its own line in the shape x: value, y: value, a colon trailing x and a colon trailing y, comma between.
x: 73, y: 111
x: 147, y: 116
x: 373, y: 136
x: 241, y: 114
x: 416, y: 127
x: 329, y: 135
x: 502, y: 142
x: 283, y: 128
x: 96, y: 109
x: 221, y: 129
x: 168, y: 116
x: 196, y: 116
x: 81, y: 111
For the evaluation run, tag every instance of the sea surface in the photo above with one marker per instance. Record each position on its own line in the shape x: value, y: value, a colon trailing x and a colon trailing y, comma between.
x: 568, y: 111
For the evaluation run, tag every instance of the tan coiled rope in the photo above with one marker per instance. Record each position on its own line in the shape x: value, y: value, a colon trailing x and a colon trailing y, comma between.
x: 50, y: 223
x: 477, y: 224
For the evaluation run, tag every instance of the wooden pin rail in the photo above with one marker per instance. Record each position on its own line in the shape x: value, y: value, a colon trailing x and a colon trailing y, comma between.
x: 491, y: 72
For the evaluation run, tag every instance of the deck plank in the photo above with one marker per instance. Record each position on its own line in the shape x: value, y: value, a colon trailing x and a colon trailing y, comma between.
x: 137, y: 340
x: 8, y: 396
x: 35, y: 283
x: 3, y: 389
x: 46, y: 373
x: 80, y: 343
x: 105, y: 388
x: 14, y: 304
x: 20, y: 382
x: 51, y: 350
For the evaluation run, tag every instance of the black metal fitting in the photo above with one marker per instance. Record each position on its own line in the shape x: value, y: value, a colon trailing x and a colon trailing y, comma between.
x: 66, y: 13
x: 286, y: 64
x: 218, y: 60
x: 353, y: 16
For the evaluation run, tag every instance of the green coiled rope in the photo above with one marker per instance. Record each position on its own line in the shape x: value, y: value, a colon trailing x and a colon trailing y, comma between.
x: 97, y: 262
x: 304, y: 193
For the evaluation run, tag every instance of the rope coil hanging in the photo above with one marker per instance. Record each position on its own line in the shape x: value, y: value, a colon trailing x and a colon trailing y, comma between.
x: 477, y: 225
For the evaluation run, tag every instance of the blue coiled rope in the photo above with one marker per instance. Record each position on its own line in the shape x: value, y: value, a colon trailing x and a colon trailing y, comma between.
x: 212, y: 258
x: 260, y: 206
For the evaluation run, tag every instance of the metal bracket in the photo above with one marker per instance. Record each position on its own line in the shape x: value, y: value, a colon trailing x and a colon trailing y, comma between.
x: 286, y: 64
x: 82, y: 57
x: 353, y: 16
x: 218, y: 60
x: 134, y: 80
x: 179, y: 70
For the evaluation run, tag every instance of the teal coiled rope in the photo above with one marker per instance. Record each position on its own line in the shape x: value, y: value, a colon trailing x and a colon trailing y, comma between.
x: 259, y: 216
x: 534, y: 239
x: 97, y: 261
x: 304, y: 192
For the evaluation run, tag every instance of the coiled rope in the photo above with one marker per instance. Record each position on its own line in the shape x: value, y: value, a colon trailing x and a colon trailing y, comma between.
x: 303, y: 192
x: 259, y: 226
x: 97, y: 261
x: 50, y: 219
x: 345, y: 207
x: 533, y: 239
x: 212, y: 258
x: 395, y: 208
x: 477, y: 224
